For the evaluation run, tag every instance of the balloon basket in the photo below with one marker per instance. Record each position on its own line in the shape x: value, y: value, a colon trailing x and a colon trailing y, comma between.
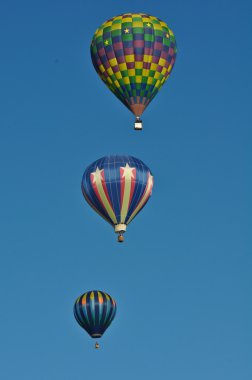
x: 120, y: 239
x: 97, y: 346
x: 138, y: 124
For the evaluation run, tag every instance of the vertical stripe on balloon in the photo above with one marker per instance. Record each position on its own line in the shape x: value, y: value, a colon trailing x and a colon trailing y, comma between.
x: 99, y: 186
x: 145, y: 197
x: 128, y: 177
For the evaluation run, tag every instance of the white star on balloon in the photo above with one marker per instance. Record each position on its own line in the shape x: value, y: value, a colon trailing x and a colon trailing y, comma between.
x: 97, y: 175
x: 128, y: 172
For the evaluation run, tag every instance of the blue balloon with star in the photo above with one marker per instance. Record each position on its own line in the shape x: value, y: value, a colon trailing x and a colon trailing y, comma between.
x: 117, y: 188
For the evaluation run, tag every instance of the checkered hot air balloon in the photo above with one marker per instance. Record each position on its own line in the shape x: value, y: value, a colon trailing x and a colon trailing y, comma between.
x: 94, y: 311
x: 117, y: 188
x: 134, y: 54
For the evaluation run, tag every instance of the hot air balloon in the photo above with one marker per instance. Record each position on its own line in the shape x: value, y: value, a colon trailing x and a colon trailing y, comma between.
x: 94, y: 311
x: 134, y: 54
x: 117, y: 188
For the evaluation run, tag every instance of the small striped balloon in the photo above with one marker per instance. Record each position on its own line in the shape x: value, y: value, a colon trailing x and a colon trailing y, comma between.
x: 94, y: 311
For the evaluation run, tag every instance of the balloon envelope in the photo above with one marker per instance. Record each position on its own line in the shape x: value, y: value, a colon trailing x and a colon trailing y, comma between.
x: 94, y: 311
x: 134, y: 55
x: 117, y: 188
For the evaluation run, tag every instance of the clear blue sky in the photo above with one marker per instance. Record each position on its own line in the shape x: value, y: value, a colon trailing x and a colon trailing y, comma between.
x: 182, y: 280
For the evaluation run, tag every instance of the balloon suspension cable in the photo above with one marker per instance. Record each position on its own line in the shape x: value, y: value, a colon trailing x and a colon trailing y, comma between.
x: 120, y: 238
x: 138, y: 124
x: 97, y: 345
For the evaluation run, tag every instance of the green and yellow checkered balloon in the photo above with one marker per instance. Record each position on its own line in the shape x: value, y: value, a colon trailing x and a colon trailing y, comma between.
x: 134, y: 55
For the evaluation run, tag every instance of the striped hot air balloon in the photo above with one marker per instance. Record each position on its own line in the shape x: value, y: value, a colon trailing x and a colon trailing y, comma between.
x: 117, y: 188
x: 94, y: 311
x: 134, y: 54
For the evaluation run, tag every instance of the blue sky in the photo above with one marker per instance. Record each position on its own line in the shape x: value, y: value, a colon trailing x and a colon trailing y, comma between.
x: 182, y: 280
